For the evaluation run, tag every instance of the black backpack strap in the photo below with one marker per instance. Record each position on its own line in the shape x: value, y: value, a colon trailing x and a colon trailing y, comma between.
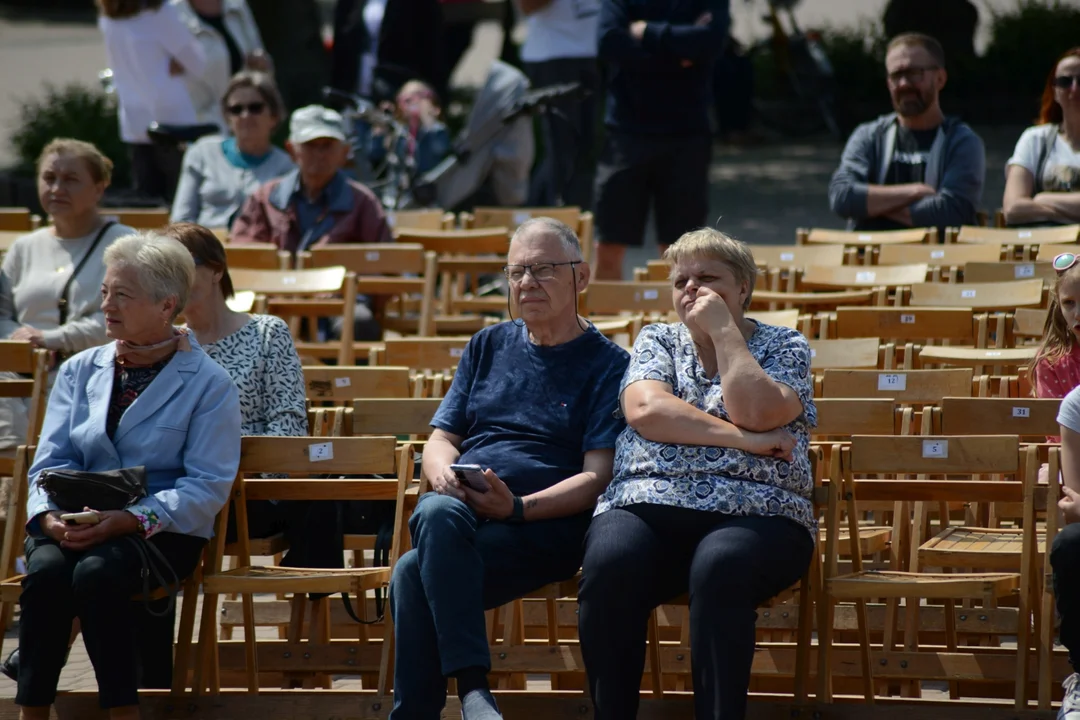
x: 153, y: 562
x: 62, y: 303
x: 1048, y: 146
x: 383, y: 540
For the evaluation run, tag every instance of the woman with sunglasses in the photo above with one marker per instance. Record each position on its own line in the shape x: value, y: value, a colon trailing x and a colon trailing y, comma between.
x: 1042, y: 185
x: 219, y: 173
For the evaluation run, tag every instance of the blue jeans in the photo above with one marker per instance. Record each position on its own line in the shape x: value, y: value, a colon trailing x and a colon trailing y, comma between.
x: 460, y: 566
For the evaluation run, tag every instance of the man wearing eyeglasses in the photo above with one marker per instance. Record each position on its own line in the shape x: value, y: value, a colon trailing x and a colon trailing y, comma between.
x: 915, y: 167
x: 534, y: 405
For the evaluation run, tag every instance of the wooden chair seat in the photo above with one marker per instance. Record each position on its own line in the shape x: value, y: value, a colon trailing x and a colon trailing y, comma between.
x: 976, y: 547
x: 893, y: 584
x: 11, y: 589
x: 976, y: 357
x: 273, y: 579
x: 872, y: 539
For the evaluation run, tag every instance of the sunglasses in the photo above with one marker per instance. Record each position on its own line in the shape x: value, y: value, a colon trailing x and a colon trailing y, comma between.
x: 1064, y: 261
x: 1066, y: 81
x: 254, y: 108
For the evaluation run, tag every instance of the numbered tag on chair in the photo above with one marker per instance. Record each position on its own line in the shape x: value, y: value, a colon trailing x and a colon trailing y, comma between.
x: 342, y: 382
x: 935, y: 448
x: 320, y: 451
x: 892, y: 381
x: 1021, y: 412
x: 1027, y: 270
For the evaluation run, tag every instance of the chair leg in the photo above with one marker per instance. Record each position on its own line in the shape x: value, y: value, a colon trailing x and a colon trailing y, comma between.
x: 185, y: 634
x: 655, y: 669
x: 298, y: 606
x: 251, y: 662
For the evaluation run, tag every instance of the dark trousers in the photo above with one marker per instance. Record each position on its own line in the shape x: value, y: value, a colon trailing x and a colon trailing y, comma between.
x: 96, y: 586
x: 640, y: 556
x: 636, y: 172
x: 312, y: 528
x: 569, y: 130
x: 1065, y: 560
x: 460, y: 566
x: 155, y: 170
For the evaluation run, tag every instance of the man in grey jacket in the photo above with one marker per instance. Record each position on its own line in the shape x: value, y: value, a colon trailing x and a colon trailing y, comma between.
x: 915, y: 167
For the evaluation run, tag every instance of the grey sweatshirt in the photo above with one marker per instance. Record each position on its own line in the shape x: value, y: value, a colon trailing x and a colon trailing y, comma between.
x: 212, y: 189
x: 956, y: 167
x: 34, y: 272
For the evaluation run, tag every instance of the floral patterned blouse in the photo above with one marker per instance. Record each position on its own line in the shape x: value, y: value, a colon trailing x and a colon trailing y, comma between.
x: 718, y: 479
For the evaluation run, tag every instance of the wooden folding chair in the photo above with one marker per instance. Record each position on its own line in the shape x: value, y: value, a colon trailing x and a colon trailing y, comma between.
x: 908, y: 387
x: 581, y: 222
x: 14, y: 533
x: 419, y: 220
x: 1006, y: 270
x: 387, y: 271
x: 257, y: 256
x: 816, y: 301
x: 939, y: 457
x: 1018, y: 243
x: 16, y: 220
x: 1054, y: 667
x: 312, y: 458
x: 1048, y: 252
x: 915, y: 325
x: 980, y: 296
x: 138, y: 218
x: 854, y: 353
x: 307, y: 294
x: 631, y: 302
x: 1032, y: 419
x: 866, y: 244
x: 433, y: 360
x: 18, y: 356
x: 946, y: 261
x: 896, y: 279
x: 345, y: 384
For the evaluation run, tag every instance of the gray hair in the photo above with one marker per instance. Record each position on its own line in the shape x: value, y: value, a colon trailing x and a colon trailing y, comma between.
x: 550, y: 226
x: 163, y: 265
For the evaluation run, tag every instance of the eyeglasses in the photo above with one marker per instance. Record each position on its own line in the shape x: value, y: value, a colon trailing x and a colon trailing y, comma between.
x: 1064, y: 261
x: 912, y: 74
x: 1066, y: 81
x: 254, y: 108
x: 540, y: 271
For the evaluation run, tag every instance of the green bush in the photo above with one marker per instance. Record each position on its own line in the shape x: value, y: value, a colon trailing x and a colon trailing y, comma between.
x: 1025, y: 43
x: 73, y: 111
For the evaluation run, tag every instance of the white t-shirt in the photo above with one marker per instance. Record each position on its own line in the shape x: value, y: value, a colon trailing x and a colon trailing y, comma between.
x: 1061, y: 173
x: 1069, y: 412
x: 138, y: 50
x: 562, y: 29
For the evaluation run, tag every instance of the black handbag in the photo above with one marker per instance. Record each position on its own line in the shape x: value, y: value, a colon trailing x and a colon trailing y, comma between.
x: 73, y: 490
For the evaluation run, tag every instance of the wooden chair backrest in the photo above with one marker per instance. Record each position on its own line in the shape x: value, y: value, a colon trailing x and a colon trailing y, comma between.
x: 855, y: 238
x: 848, y: 353
x: 295, y: 456
x: 19, y: 356
x: 486, y: 241
x: 1050, y: 251
x: 780, y: 318
x: 815, y: 301
x: 612, y: 297
x: 937, y: 255
x: 368, y: 258
x: 654, y: 271
x: 256, y: 256
x: 1000, y: 416
x: 848, y: 416
x: 422, y: 353
x: 903, y: 386
x: 138, y: 218
x: 18, y: 220
x: 347, y: 383
x: 1029, y: 322
x: 419, y: 220
x: 1060, y: 235
x: 935, y: 455
x: 857, y: 276
x: 980, y: 296
x: 909, y: 324
x: 380, y: 416
x: 489, y: 217
x: 1006, y: 271
x: 289, y: 282
x: 799, y: 256
x: 976, y: 357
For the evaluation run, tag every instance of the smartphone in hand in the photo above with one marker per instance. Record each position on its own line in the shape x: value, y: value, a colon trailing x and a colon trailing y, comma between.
x: 81, y: 518
x: 472, y: 476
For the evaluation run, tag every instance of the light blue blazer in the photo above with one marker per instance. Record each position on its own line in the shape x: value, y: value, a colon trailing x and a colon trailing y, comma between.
x: 185, y: 428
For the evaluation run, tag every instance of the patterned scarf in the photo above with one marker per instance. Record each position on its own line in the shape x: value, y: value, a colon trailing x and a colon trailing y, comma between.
x: 146, y: 355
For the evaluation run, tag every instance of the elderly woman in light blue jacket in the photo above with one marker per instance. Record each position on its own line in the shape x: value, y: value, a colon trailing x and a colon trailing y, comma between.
x: 152, y: 398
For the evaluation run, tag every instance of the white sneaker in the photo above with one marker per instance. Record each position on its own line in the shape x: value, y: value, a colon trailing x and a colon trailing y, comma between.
x: 1070, y: 704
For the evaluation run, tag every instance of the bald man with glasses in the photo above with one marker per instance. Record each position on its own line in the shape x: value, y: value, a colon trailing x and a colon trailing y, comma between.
x: 534, y: 405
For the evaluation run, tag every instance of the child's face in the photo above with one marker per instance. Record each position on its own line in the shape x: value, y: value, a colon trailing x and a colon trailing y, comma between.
x: 413, y: 102
x: 1069, y: 300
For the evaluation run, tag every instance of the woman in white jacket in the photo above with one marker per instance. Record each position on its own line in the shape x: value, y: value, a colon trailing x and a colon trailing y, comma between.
x: 150, y: 53
x: 229, y: 37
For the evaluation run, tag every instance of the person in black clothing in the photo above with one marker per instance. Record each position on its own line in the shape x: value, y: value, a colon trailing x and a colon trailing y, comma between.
x: 660, y: 56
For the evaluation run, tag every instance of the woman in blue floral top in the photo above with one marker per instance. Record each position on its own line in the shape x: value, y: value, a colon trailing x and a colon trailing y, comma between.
x: 711, y: 488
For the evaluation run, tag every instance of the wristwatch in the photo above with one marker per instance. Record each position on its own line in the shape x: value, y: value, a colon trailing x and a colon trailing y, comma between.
x: 517, y: 515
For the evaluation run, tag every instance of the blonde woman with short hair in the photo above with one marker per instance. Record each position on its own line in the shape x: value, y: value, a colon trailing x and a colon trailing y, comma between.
x: 711, y: 487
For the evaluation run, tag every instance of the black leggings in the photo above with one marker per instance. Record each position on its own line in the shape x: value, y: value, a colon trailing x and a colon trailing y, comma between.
x: 96, y: 586
x: 640, y: 556
x: 1065, y: 561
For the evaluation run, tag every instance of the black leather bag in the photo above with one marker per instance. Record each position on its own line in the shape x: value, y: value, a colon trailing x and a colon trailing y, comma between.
x: 73, y: 490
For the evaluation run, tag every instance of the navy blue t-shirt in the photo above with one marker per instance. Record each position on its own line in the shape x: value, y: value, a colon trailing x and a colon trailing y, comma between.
x: 531, y: 412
